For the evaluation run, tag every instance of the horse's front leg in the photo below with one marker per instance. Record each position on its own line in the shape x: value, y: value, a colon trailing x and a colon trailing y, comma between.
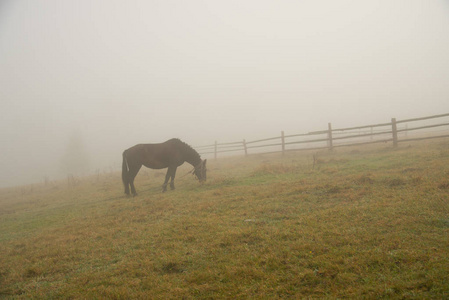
x: 170, y: 174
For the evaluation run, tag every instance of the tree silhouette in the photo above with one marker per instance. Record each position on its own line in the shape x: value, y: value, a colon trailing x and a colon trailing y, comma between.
x: 75, y: 160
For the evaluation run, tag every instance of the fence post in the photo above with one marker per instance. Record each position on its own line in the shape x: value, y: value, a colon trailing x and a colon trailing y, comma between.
x: 215, y: 150
x: 329, y: 136
x: 244, y: 147
x: 395, y: 132
x: 283, y: 142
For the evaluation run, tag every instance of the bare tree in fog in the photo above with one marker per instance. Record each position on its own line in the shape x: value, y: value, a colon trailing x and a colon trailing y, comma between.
x: 75, y: 160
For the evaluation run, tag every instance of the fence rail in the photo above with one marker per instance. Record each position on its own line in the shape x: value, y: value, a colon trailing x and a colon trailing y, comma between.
x: 332, y: 138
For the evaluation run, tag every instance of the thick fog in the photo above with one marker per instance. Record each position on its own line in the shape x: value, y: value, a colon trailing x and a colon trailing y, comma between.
x: 80, y: 81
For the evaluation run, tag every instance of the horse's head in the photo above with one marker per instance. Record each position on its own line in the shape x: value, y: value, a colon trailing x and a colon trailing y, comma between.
x: 200, y: 171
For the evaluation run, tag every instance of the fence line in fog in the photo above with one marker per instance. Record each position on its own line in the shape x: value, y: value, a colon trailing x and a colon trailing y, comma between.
x: 331, y: 138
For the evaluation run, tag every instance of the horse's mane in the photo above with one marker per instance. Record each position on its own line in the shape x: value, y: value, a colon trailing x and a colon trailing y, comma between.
x: 188, y: 148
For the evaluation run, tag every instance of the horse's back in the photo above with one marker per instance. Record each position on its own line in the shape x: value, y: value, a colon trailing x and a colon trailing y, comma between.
x: 155, y: 156
x: 173, y: 152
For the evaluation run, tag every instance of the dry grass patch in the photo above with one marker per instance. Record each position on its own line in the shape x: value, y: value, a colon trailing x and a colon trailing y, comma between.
x: 370, y: 224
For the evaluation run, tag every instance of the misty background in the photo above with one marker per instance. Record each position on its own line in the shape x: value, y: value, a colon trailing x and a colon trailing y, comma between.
x: 81, y: 81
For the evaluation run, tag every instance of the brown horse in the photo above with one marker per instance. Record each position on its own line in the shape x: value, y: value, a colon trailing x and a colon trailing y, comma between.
x: 170, y: 154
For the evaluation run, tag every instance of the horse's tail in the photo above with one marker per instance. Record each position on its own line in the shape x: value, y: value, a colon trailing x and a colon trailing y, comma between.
x: 125, y: 170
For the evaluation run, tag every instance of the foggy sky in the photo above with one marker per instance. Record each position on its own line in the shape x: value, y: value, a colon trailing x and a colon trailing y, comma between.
x: 118, y: 73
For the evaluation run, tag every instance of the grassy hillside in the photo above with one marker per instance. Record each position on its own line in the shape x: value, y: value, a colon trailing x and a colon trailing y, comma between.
x: 358, y: 222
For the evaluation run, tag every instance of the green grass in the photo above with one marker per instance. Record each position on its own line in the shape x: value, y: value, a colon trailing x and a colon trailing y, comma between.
x: 370, y: 222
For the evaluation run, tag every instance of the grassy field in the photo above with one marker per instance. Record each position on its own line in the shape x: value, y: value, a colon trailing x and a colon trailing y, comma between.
x: 368, y: 222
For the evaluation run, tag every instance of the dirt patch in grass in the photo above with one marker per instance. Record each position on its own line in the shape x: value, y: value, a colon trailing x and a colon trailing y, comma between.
x: 394, y: 182
x: 171, y: 268
x: 444, y: 186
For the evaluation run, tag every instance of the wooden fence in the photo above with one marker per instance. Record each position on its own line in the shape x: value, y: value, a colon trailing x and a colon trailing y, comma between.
x: 396, y: 131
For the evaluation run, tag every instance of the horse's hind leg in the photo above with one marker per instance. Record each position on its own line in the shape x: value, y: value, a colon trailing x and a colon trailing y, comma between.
x: 172, y: 182
x: 133, y: 189
x: 126, y: 183
x: 126, y: 188
x: 167, y: 177
x: 132, y: 174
